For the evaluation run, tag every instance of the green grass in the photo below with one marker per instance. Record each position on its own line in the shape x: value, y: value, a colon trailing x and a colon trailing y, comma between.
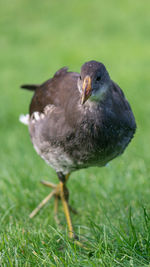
x: 37, y: 38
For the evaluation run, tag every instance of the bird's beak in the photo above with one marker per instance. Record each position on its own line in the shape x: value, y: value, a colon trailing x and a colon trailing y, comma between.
x: 86, y: 89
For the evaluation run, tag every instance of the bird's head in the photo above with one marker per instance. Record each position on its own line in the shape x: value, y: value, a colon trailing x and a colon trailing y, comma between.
x: 93, y: 82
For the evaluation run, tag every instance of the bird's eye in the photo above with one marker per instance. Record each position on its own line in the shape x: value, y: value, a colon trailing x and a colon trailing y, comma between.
x: 98, y: 78
x: 80, y: 77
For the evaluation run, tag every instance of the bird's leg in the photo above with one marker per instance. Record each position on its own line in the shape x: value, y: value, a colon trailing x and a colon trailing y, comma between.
x: 64, y: 194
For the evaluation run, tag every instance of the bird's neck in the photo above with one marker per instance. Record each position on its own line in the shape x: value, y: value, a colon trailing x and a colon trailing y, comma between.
x: 101, y: 93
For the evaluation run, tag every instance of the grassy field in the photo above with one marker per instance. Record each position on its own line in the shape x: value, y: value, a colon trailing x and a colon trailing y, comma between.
x: 113, y: 203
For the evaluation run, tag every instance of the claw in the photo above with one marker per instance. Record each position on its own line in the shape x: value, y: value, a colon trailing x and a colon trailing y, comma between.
x: 49, y: 184
x: 42, y: 203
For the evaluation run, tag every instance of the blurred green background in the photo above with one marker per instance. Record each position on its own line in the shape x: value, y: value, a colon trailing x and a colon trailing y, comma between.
x: 36, y: 39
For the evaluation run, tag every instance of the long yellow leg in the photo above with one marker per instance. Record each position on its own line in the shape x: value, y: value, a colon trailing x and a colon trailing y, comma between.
x: 64, y: 199
x: 66, y: 209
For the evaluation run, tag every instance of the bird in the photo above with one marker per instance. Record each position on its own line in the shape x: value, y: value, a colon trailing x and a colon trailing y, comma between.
x: 77, y: 120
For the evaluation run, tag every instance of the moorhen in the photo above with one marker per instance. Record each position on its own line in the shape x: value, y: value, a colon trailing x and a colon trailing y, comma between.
x: 78, y: 120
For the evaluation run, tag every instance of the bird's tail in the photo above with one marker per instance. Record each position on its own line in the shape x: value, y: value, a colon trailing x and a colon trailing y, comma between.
x: 24, y: 119
x: 30, y: 87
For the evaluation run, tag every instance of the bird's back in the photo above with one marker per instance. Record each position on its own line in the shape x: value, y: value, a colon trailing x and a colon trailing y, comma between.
x: 56, y: 91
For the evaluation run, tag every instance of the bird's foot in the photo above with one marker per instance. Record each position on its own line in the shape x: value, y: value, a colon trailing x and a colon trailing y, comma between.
x: 59, y: 192
x: 56, y: 193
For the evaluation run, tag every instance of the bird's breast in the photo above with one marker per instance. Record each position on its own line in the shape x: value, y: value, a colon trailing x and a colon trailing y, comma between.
x: 96, y: 138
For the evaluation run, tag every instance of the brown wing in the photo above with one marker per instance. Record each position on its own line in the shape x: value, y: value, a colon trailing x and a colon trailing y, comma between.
x: 57, y: 91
